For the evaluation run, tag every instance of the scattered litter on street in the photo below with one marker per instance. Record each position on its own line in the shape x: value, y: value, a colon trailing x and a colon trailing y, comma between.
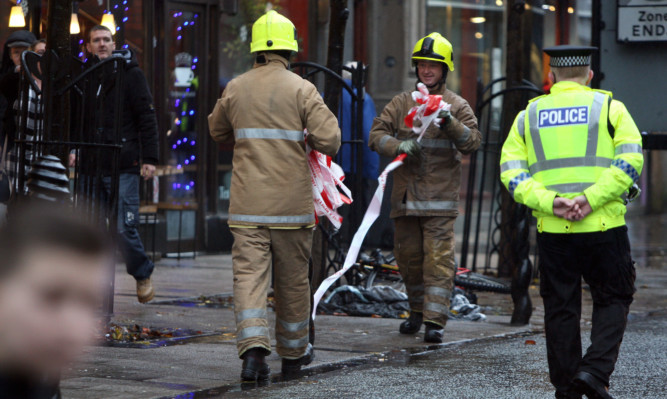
x: 387, y: 302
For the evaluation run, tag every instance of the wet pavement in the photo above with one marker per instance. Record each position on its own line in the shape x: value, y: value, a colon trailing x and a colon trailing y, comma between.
x: 363, y: 357
x: 502, y: 368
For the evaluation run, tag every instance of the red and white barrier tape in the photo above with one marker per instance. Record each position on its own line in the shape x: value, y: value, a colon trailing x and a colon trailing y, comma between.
x: 371, y: 214
x: 426, y: 112
x: 326, y: 178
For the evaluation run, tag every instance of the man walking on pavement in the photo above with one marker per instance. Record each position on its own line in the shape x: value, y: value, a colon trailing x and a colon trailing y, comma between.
x: 424, y: 200
x: 271, y: 213
x: 139, y: 154
x: 571, y: 156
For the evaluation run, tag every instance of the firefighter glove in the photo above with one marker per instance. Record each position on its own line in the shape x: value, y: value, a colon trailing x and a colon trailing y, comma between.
x: 446, y: 117
x: 410, y: 147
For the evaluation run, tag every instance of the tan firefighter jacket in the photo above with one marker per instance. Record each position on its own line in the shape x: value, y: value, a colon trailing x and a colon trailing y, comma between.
x: 429, y: 188
x: 264, y: 112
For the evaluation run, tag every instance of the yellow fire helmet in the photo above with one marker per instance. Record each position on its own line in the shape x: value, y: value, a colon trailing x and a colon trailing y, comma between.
x: 433, y: 47
x: 273, y: 31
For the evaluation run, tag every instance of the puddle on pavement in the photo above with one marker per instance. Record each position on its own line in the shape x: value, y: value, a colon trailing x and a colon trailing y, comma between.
x: 152, y: 344
x: 137, y: 337
x: 220, y: 301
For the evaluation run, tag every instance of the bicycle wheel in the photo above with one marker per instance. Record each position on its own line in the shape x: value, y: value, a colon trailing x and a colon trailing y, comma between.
x: 380, y: 276
x: 480, y: 282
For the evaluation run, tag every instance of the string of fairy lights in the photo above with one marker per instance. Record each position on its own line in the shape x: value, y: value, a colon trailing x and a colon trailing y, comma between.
x: 184, y: 146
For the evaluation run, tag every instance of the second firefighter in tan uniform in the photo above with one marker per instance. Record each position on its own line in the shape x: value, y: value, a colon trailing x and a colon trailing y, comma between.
x: 271, y: 214
x: 425, y: 195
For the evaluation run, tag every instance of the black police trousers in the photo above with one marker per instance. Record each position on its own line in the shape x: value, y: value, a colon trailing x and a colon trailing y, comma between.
x: 603, y: 260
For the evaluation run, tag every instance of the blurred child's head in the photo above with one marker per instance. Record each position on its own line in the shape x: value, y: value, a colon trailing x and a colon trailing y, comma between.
x: 52, y: 269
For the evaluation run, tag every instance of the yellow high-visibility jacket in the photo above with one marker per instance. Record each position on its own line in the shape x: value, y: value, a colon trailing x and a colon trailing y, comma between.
x: 561, y: 145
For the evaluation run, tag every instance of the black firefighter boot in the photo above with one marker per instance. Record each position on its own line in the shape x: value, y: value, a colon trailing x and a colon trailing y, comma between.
x: 290, y: 367
x: 254, y: 365
x: 433, y: 333
x: 413, y: 324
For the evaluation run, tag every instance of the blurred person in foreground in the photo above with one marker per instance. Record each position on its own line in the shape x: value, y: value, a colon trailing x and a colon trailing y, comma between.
x: 51, y: 279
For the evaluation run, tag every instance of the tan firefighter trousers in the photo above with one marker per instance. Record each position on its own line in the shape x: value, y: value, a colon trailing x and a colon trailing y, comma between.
x: 424, y: 249
x: 253, y: 253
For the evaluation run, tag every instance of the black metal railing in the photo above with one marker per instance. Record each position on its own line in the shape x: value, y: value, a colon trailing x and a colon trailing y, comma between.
x: 86, y: 93
x: 482, y: 217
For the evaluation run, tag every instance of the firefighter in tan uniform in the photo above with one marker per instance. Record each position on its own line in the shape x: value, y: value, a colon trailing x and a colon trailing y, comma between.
x: 424, y: 200
x: 271, y: 214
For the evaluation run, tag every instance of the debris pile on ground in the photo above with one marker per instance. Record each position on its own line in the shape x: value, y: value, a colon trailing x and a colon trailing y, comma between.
x: 135, y: 333
x: 379, y: 301
x: 461, y: 308
x: 387, y: 302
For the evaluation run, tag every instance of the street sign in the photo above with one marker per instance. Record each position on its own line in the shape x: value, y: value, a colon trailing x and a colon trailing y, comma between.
x: 642, y: 21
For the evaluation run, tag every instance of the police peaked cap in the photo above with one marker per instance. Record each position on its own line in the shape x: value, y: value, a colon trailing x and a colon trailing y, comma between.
x: 569, y: 56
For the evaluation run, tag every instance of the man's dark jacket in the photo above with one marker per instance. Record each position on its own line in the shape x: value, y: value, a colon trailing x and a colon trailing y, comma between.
x: 138, y: 128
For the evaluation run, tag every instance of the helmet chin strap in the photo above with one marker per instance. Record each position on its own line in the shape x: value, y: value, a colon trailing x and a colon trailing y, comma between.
x: 438, y: 85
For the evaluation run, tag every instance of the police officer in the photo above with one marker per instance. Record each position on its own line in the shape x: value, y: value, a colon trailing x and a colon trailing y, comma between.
x: 264, y: 113
x: 570, y: 156
x: 425, y: 194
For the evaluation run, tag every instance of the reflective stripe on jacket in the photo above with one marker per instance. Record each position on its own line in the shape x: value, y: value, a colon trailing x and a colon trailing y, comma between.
x: 264, y: 112
x: 432, y: 187
x: 561, y: 145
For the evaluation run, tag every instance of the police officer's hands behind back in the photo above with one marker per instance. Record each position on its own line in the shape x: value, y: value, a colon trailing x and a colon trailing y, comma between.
x: 564, y: 207
x: 572, y: 209
x: 584, y: 207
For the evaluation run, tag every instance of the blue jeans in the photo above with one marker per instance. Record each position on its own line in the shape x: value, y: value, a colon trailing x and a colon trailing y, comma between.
x: 136, y: 261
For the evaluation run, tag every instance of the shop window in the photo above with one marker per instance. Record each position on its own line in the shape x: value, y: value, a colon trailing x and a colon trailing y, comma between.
x: 183, y: 57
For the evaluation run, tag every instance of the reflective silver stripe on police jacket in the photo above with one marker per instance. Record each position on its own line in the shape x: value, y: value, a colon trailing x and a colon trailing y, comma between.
x: 594, y: 123
x: 300, y: 219
x: 251, y: 332
x: 521, y: 123
x: 294, y: 327
x: 569, y: 188
x: 270, y: 134
x: 383, y: 142
x: 535, y: 132
x: 437, y: 143
x: 516, y: 164
x: 438, y: 291
x: 589, y: 159
x: 292, y: 343
x: 573, y: 162
x: 436, y: 307
x: 432, y: 205
x: 628, y: 149
x: 250, y: 314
